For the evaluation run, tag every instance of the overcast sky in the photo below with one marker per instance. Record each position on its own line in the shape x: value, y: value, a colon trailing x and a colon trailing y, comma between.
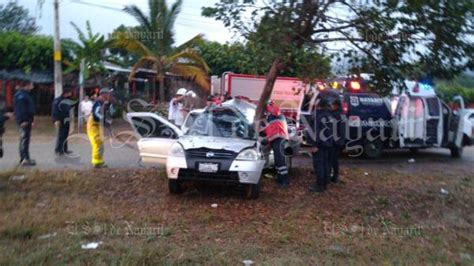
x: 105, y: 16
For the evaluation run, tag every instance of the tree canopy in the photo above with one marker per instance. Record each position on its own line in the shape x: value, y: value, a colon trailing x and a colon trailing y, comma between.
x: 244, y: 58
x: 92, y: 48
x: 157, y: 26
x: 395, y: 36
x: 121, y: 55
x: 28, y: 52
x: 14, y: 17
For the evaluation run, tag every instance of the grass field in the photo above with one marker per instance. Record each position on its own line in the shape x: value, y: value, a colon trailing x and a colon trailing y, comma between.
x: 371, y: 218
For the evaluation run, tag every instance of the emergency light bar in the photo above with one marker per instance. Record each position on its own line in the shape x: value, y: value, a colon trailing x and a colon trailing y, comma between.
x: 354, y: 85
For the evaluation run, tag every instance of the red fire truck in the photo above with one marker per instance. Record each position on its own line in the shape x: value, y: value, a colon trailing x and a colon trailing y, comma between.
x: 288, y: 93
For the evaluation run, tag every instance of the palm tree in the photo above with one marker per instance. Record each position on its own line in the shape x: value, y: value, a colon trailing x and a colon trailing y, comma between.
x: 92, y: 48
x: 154, y: 44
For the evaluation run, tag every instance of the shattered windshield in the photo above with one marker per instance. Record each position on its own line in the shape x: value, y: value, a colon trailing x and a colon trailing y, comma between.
x: 222, y: 122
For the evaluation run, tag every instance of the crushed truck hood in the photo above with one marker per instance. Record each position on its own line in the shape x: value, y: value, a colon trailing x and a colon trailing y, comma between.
x: 215, y: 143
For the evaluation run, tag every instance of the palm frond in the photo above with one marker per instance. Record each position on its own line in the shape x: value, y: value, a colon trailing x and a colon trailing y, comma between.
x: 141, y: 62
x: 89, y: 30
x: 154, y: 11
x: 199, y: 76
x: 131, y: 44
x: 190, y: 56
x: 196, y: 40
x: 134, y: 11
x: 81, y: 35
x: 173, y: 13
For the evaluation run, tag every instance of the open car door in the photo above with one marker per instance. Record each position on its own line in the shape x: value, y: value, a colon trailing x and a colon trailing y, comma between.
x: 434, y: 121
x: 157, y: 135
x: 457, y: 126
x: 411, y: 126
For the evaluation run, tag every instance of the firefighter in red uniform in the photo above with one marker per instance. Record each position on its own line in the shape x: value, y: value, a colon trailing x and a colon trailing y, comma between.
x: 276, y: 131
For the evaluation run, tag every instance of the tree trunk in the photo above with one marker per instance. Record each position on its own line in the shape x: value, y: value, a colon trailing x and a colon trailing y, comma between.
x: 162, y: 89
x: 277, y: 66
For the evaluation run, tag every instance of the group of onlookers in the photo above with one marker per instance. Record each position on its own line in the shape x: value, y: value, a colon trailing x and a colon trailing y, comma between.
x: 327, y: 123
x: 97, y: 114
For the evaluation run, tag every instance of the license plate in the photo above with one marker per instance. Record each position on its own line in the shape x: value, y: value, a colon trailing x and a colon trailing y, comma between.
x: 208, y: 167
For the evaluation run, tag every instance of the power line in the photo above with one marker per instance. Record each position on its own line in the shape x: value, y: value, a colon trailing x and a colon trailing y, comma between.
x: 96, y: 5
x: 206, y: 23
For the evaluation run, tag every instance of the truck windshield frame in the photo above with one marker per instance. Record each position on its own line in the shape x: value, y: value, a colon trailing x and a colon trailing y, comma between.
x: 222, y: 122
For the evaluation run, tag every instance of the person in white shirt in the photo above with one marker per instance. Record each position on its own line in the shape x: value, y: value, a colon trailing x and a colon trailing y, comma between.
x: 176, y: 109
x: 86, y: 108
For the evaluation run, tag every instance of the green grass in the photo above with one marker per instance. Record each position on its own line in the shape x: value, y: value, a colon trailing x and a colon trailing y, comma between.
x: 366, y: 220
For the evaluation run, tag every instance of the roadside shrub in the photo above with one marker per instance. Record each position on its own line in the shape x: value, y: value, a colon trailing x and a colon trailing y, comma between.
x: 447, y: 90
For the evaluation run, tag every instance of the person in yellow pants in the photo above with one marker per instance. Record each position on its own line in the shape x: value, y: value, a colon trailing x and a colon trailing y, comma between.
x: 95, y: 128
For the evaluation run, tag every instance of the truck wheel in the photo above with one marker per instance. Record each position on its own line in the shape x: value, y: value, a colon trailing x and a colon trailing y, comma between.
x: 252, y: 191
x: 456, y: 152
x: 175, y: 186
x: 373, y: 149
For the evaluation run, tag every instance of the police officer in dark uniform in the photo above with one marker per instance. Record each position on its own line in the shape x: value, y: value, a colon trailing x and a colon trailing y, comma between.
x: 339, y: 127
x: 61, y: 117
x: 322, y: 142
x: 25, y: 116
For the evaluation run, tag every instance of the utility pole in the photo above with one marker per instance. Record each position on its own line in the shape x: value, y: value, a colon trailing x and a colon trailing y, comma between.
x: 81, y: 94
x: 58, y: 72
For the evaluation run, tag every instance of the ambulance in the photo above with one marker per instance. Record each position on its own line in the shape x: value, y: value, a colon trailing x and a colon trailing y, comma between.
x: 423, y: 120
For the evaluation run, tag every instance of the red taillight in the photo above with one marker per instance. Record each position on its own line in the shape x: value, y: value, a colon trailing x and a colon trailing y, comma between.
x: 354, y: 85
x: 345, y: 108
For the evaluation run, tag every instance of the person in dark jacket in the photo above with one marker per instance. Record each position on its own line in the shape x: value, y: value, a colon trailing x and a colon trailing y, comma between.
x: 276, y: 131
x: 24, y: 113
x: 321, y: 142
x: 4, y: 116
x: 62, y: 107
x: 339, y: 137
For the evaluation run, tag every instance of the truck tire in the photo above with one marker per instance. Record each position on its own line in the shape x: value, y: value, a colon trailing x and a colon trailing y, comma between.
x: 456, y: 152
x: 252, y: 191
x: 174, y: 186
x: 373, y: 149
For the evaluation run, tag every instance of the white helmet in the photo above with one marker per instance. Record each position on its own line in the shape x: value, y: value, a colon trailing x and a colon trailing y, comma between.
x: 181, y: 91
x: 191, y: 94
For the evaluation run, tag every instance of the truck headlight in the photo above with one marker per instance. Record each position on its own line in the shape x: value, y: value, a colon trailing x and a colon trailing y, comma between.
x: 177, y: 150
x: 248, y: 155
